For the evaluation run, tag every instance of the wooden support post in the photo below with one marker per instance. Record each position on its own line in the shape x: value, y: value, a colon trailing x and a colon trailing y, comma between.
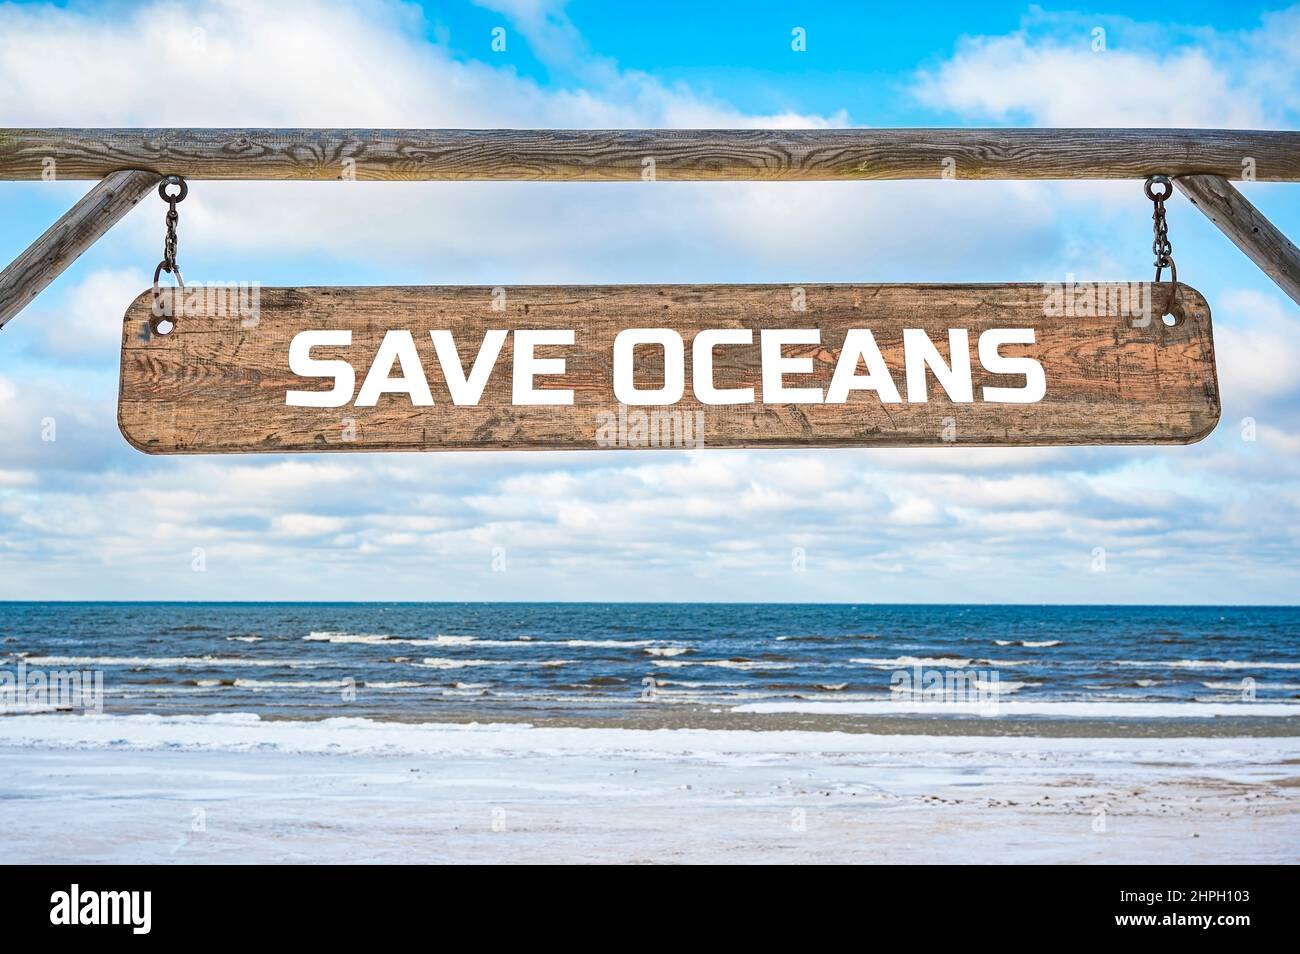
x: 65, y: 240
x: 1255, y: 235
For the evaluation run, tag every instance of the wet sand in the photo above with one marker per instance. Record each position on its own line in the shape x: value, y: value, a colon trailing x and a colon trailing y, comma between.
x: 700, y: 717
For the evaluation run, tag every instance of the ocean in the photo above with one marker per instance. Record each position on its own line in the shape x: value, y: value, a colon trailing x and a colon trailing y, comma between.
x: 487, y: 661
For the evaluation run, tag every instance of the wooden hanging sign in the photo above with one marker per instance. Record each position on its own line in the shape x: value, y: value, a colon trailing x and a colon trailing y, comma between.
x: 248, y: 369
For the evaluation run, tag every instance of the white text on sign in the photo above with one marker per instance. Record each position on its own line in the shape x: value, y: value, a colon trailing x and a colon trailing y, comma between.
x: 396, y: 368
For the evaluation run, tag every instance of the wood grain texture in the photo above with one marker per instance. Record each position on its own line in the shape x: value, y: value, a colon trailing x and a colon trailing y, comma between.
x: 213, y: 385
x: 619, y: 154
x: 64, y: 241
x: 1250, y: 231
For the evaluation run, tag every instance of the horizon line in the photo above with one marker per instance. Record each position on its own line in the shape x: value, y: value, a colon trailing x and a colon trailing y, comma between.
x: 523, y: 602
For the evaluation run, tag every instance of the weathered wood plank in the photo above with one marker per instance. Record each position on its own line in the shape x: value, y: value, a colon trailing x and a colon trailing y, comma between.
x: 64, y: 241
x: 219, y: 381
x: 605, y: 154
x: 1250, y: 231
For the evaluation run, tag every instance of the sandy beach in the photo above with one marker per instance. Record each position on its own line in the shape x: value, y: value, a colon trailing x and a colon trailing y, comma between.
x: 240, y: 789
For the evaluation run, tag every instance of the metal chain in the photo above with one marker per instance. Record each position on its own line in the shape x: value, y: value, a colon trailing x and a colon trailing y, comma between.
x: 162, y: 320
x: 168, y: 263
x: 1161, y: 247
x: 169, y: 243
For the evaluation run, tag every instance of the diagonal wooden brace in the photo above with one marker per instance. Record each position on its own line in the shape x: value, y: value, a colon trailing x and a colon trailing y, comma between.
x: 65, y: 240
x: 1255, y: 235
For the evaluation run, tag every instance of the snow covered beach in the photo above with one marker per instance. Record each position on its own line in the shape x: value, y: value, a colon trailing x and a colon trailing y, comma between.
x: 238, y: 788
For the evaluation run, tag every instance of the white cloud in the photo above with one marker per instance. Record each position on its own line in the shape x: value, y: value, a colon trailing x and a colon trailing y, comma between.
x: 89, y: 323
x: 309, y: 525
x: 915, y: 512
x: 297, y: 63
x: 1258, y: 349
x: 1010, y: 78
x: 1073, y: 69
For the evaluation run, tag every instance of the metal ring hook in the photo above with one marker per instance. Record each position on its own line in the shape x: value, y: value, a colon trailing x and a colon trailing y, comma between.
x: 177, y: 181
x: 1158, y: 180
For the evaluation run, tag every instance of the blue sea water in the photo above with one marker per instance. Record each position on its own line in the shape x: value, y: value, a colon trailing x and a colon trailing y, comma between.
x: 429, y: 660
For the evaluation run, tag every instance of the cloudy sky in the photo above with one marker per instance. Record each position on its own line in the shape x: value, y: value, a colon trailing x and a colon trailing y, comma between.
x: 84, y: 516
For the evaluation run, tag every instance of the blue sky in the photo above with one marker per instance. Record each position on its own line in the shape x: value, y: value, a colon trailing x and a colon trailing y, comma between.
x: 85, y: 516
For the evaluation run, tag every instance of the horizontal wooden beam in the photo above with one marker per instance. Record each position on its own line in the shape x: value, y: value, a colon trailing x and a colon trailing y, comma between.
x: 662, y: 154
x: 64, y: 241
x: 1266, y: 246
